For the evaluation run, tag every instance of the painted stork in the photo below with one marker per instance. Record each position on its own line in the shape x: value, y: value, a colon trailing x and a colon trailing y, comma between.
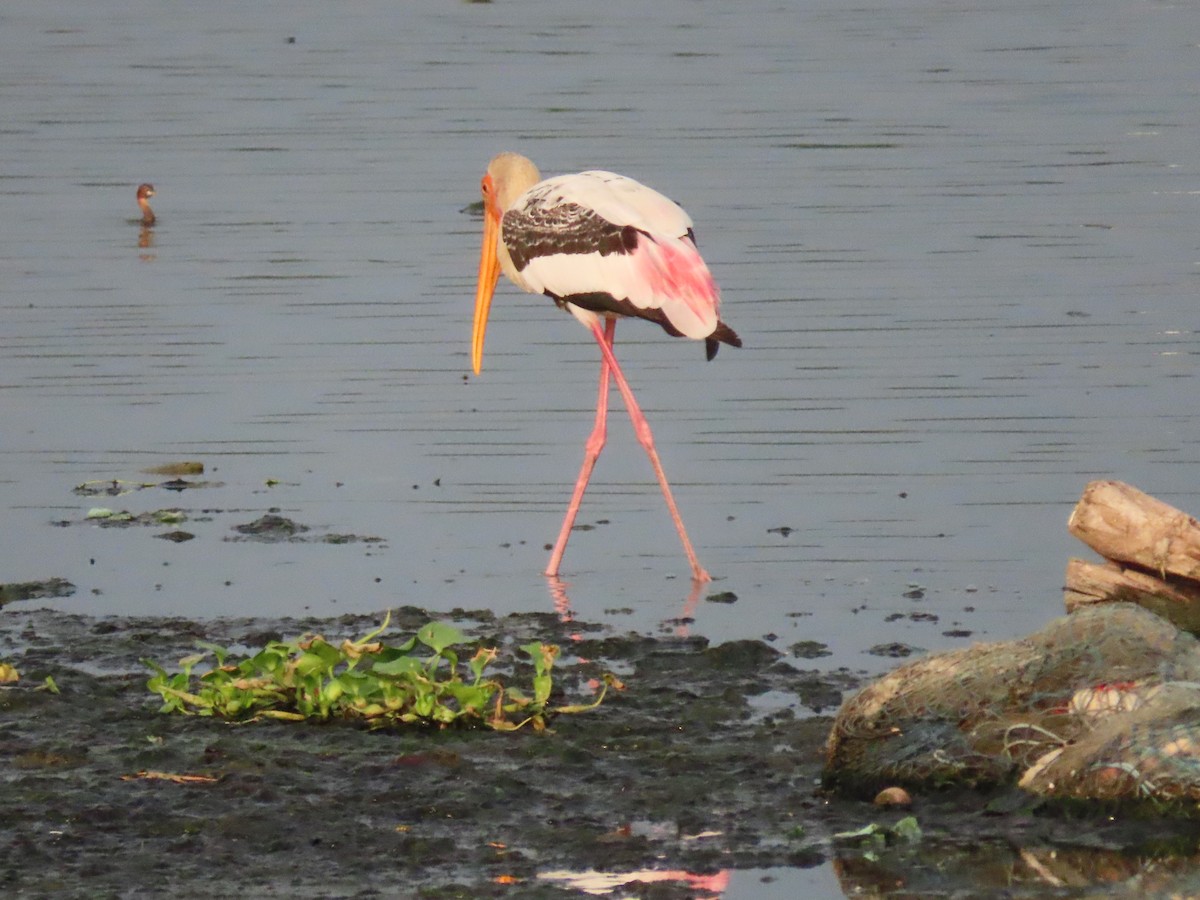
x: 603, y: 247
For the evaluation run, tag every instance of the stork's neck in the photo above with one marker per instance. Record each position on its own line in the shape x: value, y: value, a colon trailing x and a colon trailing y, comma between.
x: 506, y: 263
x: 511, y: 176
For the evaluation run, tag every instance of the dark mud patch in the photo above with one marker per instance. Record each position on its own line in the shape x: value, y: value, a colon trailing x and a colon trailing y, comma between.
x: 273, y: 528
x: 708, y: 763
x: 109, y: 518
x: 35, y: 590
x: 269, y: 528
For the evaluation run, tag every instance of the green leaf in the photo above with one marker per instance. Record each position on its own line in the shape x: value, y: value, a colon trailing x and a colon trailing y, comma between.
x: 451, y: 657
x: 907, y: 829
x: 331, y: 693
x: 542, y: 685
x: 270, y: 660
x: 318, y: 657
x: 387, y: 618
x: 403, y: 665
x: 480, y: 661
x: 543, y: 656
x: 472, y: 698
x: 440, y: 635
x: 517, y: 696
x: 189, y: 662
x: 219, y: 652
x: 423, y: 705
x: 865, y: 831
x: 406, y: 647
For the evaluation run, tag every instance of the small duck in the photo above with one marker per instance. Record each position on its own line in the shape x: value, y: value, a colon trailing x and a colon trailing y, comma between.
x: 144, y: 193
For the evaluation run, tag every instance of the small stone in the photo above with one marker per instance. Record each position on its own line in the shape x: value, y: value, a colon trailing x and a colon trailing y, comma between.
x: 893, y: 796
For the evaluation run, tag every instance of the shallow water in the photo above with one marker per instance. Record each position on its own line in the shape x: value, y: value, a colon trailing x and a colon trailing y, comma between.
x: 958, y: 241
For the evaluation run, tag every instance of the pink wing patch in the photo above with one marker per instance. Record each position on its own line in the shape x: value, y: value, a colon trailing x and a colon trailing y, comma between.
x: 672, y: 272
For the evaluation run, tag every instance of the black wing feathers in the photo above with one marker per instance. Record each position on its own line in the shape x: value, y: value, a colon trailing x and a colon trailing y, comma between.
x: 567, y: 228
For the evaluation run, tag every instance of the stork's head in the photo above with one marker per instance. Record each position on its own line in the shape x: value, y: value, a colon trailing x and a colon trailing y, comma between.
x: 508, y: 176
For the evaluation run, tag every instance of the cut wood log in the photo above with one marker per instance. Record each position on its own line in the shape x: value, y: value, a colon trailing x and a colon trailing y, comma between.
x: 1123, y: 524
x: 1176, y: 600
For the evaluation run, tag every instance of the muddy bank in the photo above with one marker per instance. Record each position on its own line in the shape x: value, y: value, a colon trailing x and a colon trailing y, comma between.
x: 708, y: 762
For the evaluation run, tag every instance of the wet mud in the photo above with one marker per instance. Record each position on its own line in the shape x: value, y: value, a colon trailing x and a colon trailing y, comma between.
x: 269, y: 528
x: 709, y: 761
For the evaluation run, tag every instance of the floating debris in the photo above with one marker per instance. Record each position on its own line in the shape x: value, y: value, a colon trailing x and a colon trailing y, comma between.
x: 113, y: 487
x: 176, y: 537
x: 894, y: 650
x: 271, y: 527
x: 809, y: 650
x: 177, y: 469
x: 274, y: 528
x: 108, y: 518
x: 722, y: 597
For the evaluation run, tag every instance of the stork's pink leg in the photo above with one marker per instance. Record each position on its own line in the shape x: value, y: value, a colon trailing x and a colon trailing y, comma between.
x: 642, y: 429
x: 591, y: 451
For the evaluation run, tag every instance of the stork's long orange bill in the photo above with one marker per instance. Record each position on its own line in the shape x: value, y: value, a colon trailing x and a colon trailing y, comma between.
x: 489, y: 274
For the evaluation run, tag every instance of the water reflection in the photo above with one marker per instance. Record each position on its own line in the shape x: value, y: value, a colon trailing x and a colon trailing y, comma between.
x: 997, y: 869
x: 704, y: 887
x: 562, y: 605
x: 933, y: 868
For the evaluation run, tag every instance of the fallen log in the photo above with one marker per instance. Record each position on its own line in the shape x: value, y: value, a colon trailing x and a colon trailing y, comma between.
x: 1127, y: 526
x: 1175, y: 599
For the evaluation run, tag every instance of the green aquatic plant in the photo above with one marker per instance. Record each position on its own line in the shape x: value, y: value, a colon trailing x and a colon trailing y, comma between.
x: 425, y: 680
x: 876, y: 836
x: 9, y: 676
